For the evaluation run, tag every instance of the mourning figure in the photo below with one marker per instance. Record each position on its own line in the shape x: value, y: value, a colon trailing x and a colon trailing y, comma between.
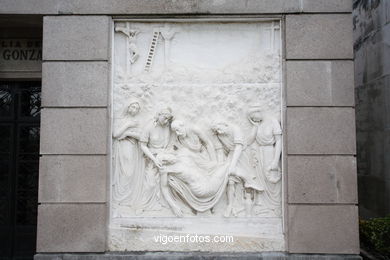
x: 267, y: 139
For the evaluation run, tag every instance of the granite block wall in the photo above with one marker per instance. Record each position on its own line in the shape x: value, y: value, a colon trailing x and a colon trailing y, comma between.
x: 74, y: 134
x: 320, y: 134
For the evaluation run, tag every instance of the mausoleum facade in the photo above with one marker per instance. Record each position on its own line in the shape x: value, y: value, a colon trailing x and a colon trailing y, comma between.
x: 167, y: 124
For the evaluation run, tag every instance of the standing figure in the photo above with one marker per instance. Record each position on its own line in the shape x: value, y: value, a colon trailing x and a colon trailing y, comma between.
x: 129, y: 162
x: 154, y: 141
x: 267, y: 135
x: 232, y: 144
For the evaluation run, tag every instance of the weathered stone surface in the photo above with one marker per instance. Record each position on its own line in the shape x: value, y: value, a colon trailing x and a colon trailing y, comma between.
x: 375, y: 51
x: 372, y: 101
x: 76, y: 37
x: 28, y: 6
x: 319, y: 36
x: 71, y: 228
x: 374, y: 198
x: 372, y: 70
x: 369, y: 17
x: 61, y: 89
x: 322, y: 179
x: 72, y: 178
x: 251, y: 6
x: 373, y: 122
x: 127, y: 7
x: 74, y: 131
x: 178, y: 7
x: 323, y: 229
x: 171, y: 7
x: 321, y: 130
x: 194, y: 255
x: 327, y: 6
x: 320, y: 83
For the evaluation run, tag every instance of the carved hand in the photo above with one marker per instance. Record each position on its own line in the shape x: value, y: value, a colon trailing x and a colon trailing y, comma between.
x: 158, y: 163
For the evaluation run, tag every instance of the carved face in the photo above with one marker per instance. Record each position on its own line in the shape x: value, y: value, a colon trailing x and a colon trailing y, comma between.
x: 256, y: 116
x: 179, y: 128
x: 133, y: 109
x: 163, y: 119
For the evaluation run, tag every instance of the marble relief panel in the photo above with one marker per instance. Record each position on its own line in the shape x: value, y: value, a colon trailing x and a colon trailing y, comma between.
x: 197, y: 131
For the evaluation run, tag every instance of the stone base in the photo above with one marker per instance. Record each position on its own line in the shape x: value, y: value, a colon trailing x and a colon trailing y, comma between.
x: 194, y: 255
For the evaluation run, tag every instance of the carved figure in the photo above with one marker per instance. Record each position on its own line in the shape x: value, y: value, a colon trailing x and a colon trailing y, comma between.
x: 191, y: 172
x: 232, y: 145
x: 132, y: 52
x: 129, y: 163
x: 193, y: 139
x: 267, y: 135
x: 154, y: 140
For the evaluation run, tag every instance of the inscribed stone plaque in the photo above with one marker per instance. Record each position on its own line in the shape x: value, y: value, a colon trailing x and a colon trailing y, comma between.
x: 20, y: 54
x: 197, y: 136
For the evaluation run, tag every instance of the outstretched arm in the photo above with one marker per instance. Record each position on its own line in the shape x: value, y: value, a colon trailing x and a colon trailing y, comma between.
x: 149, y: 154
x: 236, y: 155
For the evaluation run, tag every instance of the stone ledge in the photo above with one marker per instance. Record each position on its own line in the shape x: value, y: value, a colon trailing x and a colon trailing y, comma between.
x: 194, y: 255
x: 172, y: 7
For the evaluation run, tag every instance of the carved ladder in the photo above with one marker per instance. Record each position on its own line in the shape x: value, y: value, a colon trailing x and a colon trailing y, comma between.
x: 152, y: 49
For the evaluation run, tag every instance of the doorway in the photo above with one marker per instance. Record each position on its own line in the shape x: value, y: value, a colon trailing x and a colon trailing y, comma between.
x: 20, y: 103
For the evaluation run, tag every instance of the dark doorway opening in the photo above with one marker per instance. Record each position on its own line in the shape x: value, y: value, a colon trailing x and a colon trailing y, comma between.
x: 20, y: 103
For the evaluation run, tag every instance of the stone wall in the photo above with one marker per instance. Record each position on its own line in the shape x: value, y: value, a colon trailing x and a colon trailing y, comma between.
x: 319, y: 117
x: 372, y: 70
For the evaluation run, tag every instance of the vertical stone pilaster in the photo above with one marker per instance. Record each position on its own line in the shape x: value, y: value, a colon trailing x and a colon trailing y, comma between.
x: 74, y: 134
x: 321, y: 140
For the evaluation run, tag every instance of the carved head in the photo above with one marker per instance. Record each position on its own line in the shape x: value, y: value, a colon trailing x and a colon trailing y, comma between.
x: 133, y: 108
x: 255, y: 114
x: 164, y: 117
x: 179, y: 128
x: 220, y: 128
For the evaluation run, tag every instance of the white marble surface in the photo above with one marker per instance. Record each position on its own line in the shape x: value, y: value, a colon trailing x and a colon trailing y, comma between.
x: 216, y: 169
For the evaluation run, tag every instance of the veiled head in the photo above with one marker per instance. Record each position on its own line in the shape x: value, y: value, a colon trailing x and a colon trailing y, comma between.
x: 179, y: 128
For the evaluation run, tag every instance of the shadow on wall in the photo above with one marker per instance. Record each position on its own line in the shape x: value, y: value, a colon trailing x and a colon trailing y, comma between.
x: 372, y: 94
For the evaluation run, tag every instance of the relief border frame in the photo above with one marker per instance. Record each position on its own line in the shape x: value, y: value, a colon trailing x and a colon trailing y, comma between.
x: 228, y: 18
